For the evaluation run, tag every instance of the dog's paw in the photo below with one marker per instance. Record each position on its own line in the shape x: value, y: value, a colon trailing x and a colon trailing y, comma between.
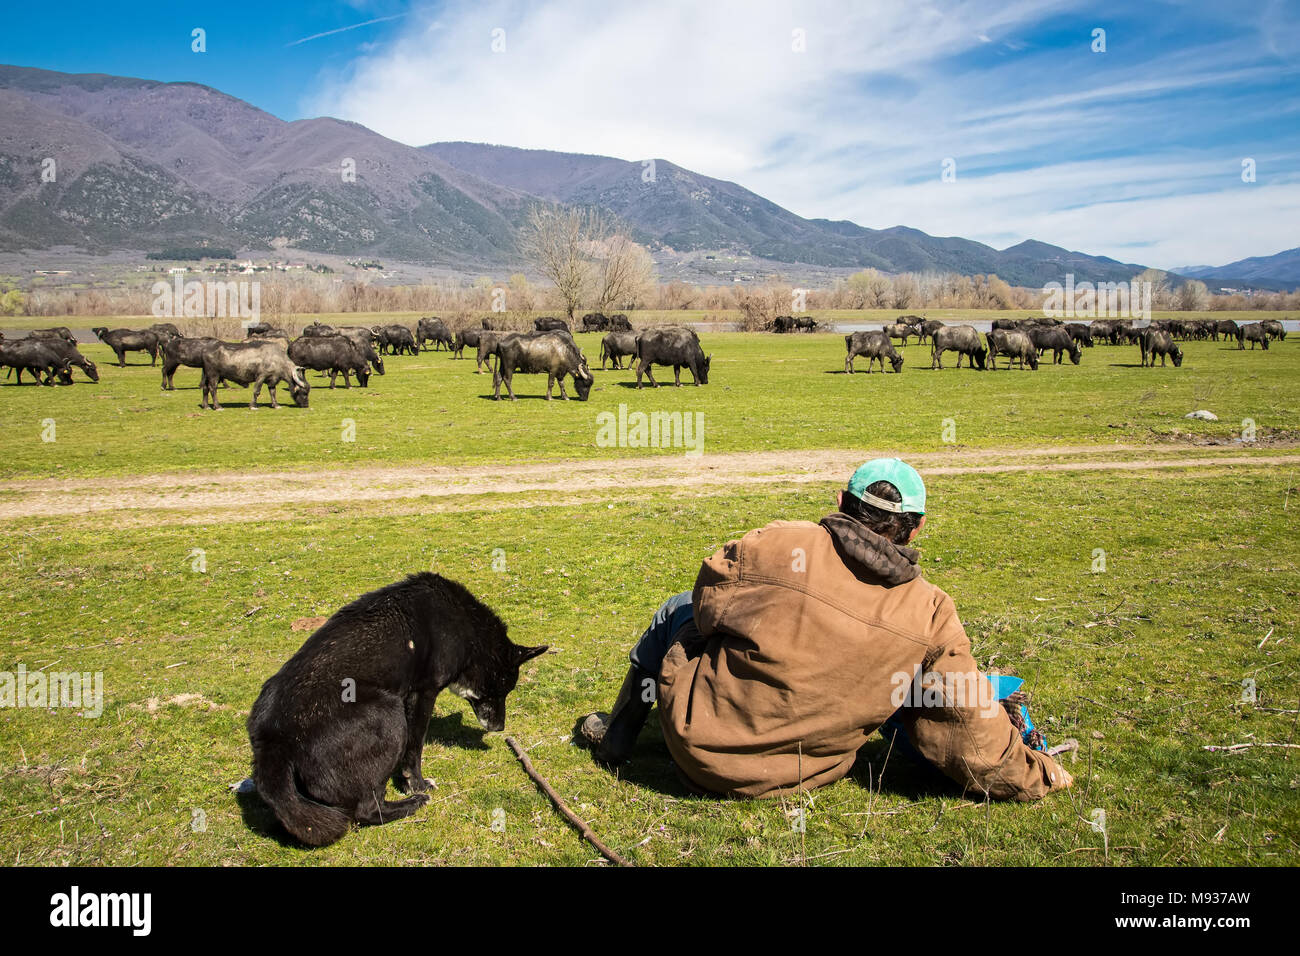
x: 407, y: 782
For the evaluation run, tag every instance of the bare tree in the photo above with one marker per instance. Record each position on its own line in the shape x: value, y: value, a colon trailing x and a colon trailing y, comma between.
x: 623, y: 271
x: 560, y: 244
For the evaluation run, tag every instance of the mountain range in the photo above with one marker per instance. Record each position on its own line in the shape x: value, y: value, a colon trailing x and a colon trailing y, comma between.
x: 109, y: 163
x: 1281, y: 270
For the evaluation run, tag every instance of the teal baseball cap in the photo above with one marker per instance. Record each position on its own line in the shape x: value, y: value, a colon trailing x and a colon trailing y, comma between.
x: 899, y: 474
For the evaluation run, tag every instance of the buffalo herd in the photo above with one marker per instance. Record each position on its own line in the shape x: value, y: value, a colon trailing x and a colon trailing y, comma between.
x: 271, y: 357
x: 1024, y: 342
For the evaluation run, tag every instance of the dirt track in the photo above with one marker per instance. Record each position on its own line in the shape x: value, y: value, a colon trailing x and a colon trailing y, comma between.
x: 253, y: 492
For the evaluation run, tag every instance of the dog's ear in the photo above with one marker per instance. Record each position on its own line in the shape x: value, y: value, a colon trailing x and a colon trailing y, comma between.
x: 528, y: 653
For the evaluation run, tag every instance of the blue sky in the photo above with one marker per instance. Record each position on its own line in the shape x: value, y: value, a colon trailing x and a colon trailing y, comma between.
x: 832, y: 109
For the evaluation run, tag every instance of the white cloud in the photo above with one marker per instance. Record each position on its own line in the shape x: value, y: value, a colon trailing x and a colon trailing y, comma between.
x: 856, y: 126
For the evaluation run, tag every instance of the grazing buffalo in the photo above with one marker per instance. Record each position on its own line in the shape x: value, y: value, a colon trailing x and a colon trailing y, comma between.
x: 1154, y: 342
x: 59, y: 332
x: 675, y: 346
x: 433, y: 330
x: 1006, y: 325
x: 183, y: 351
x: 901, y: 330
x: 1058, y: 340
x: 364, y: 340
x: 615, y: 345
x: 548, y: 352
x: 165, y: 331
x: 37, y: 356
x: 915, y: 321
x: 1014, y: 345
x: 962, y: 339
x: 618, y: 323
x: 1104, y: 330
x: 261, y: 330
x: 1229, y: 329
x: 490, y: 325
x: 488, y: 349
x: 549, y: 324
x: 928, y: 328
x: 251, y: 363
x: 1274, y: 329
x: 397, y: 338
x: 332, y: 354
x: 71, y: 357
x: 317, y: 329
x: 783, y: 323
x: 463, y: 338
x: 1080, y: 333
x: 1252, y: 333
x: 595, y: 322
x: 875, y: 346
x: 122, y: 341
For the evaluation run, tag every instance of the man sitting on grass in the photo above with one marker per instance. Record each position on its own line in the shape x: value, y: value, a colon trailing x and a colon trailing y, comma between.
x: 802, y: 639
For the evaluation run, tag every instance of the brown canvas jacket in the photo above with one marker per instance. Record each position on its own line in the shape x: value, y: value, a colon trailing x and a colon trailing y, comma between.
x: 806, y: 638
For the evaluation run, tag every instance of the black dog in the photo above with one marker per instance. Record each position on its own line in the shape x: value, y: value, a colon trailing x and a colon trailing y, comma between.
x: 349, y: 711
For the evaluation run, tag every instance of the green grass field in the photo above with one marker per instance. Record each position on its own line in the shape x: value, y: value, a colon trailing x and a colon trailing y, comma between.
x: 1143, y: 662
x: 766, y: 393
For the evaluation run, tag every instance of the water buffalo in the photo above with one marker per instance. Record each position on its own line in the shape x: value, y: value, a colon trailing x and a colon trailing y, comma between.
x: 122, y: 341
x: 488, y: 349
x: 1058, y: 340
x: 58, y: 332
x: 433, y: 330
x: 615, y: 345
x: 364, y: 340
x: 618, y: 323
x: 901, y: 331
x: 251, y: 363
x: 183, y: 351
x: 1080, y: 333
x: 261, y: 330
x: 318, y: 329
x: 1104, y: 330
x: 357, y: 333
x: 915, y: 321
x: 1007, y: 325
x: 1154, y: 342
x: 549, y: 324
x: 548, y: 352
x: 37, y: 356
x: 397, y: 338
x: 875, y: 346
x: 928, y: 328
x: 493, y: 325
x: 1014, y: 345
x: 675, y: 346
x: 1274, y: 329
x: 782, y: 324
x: 165, y: 331
x: 595, y: 322
x: 1229, y: 330
x: 1252, y: 333
x: 463, y: 338
x: 962, y: 339
x: 332, y: 354
x: 71, y: 357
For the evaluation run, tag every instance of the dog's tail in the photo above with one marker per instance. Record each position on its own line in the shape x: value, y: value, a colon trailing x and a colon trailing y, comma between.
x: 315, y: 824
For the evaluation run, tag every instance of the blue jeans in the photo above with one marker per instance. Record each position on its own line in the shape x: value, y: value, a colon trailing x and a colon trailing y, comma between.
x: 649, y: 652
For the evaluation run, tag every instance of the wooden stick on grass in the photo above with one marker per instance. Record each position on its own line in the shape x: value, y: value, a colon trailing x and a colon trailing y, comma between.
x: 577, y: 821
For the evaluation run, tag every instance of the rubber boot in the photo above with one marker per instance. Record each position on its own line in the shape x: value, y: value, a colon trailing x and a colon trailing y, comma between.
x: 612, y: 736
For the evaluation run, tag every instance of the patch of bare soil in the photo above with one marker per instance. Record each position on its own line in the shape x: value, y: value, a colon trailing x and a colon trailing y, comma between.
x: 253, y: 493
